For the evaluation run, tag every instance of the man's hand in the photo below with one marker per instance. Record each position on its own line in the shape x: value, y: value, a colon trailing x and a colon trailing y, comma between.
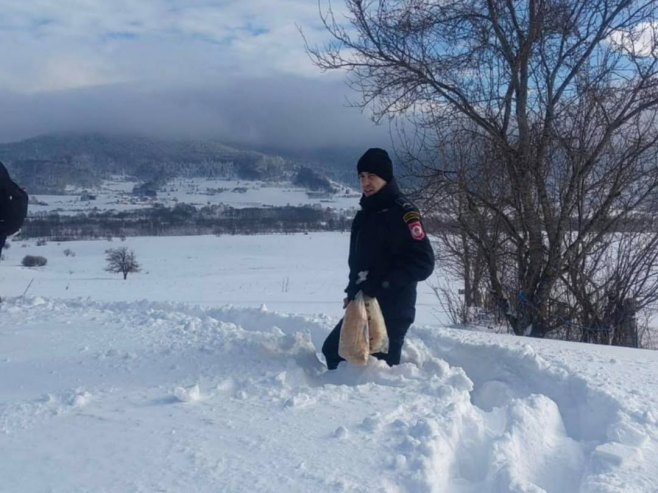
x: 370, y: 289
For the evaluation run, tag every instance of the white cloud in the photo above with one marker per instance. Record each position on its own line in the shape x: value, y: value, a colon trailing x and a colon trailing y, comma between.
x: 106, y: 41
x: 233, y: 69
x: 640, y: 40
x: 285, y: 112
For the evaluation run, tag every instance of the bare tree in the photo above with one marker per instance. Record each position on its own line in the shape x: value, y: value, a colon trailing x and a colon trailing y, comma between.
x: 613, y: 283
x: 533, y: 126
x: 121, y: 260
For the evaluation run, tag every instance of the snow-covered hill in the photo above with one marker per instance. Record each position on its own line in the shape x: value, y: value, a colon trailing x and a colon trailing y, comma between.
x: 129, y: 389
x: 117, y: 195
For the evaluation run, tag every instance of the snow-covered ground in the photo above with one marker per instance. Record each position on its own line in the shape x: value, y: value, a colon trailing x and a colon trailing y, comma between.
x: 201, y: 374
x: 116, y: 194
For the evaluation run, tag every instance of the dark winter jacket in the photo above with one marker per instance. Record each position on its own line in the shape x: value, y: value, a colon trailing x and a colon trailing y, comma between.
x: 388, y: 241
x: 4, y: 182
x: 13, y: 204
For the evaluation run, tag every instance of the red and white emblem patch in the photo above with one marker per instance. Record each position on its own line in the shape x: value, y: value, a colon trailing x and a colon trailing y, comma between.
x: 417, y: 232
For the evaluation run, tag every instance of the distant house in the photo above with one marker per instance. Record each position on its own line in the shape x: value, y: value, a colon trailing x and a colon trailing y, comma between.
x: 319, y: 195
x: 86, y: 196
x: 147, y: 189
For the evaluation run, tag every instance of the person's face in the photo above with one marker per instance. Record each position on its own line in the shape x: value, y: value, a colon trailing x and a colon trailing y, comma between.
x: 370, y: 183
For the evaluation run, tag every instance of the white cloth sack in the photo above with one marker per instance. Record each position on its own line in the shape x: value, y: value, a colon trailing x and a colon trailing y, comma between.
x: 354, y: 342
x: 376, y: 326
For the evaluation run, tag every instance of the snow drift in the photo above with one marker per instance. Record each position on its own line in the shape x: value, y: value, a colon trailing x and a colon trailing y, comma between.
x: 141, y: 396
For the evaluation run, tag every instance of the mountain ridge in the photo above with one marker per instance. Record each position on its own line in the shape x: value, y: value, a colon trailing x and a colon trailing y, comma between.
x: 48, y: 163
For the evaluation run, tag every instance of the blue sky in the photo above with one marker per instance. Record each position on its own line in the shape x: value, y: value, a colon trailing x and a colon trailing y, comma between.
x: 184, y: 68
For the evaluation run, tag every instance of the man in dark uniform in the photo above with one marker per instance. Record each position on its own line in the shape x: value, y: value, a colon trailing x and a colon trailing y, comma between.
x: 389, y: 254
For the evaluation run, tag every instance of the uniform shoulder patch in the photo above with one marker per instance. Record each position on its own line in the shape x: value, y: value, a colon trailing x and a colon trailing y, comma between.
x: 411, y: 216
x: 416, y: 230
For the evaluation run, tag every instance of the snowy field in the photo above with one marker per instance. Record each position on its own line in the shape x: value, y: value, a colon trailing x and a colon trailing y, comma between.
x: 117, y: 195
x: 201, y: 374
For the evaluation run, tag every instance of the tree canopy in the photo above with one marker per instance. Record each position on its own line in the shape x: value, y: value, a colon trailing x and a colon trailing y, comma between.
x: 531, y: 125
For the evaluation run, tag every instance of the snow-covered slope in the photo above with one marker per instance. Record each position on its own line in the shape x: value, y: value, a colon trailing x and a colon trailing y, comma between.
x: 125, y: 394
x: 116, y: 195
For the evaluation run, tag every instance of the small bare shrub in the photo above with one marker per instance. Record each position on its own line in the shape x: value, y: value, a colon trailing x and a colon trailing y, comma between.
x: 42, y: 242
x: 69, y: 253
x: 34, y: 261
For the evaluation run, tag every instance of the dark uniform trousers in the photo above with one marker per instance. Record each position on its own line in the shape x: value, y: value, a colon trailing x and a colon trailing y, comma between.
x: 395, y: 330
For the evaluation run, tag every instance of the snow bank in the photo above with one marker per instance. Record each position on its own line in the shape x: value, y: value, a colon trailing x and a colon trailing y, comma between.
x: 140, y: 396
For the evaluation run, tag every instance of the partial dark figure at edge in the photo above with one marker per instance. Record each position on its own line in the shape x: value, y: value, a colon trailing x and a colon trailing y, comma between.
x: 13, y: 206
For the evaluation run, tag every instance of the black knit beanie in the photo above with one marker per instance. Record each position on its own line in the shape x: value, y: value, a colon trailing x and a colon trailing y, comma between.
x: 376, y: 161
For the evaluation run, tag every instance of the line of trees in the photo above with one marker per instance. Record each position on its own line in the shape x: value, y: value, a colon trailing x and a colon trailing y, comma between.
x: 533, y: 126
x: 185, y: 219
